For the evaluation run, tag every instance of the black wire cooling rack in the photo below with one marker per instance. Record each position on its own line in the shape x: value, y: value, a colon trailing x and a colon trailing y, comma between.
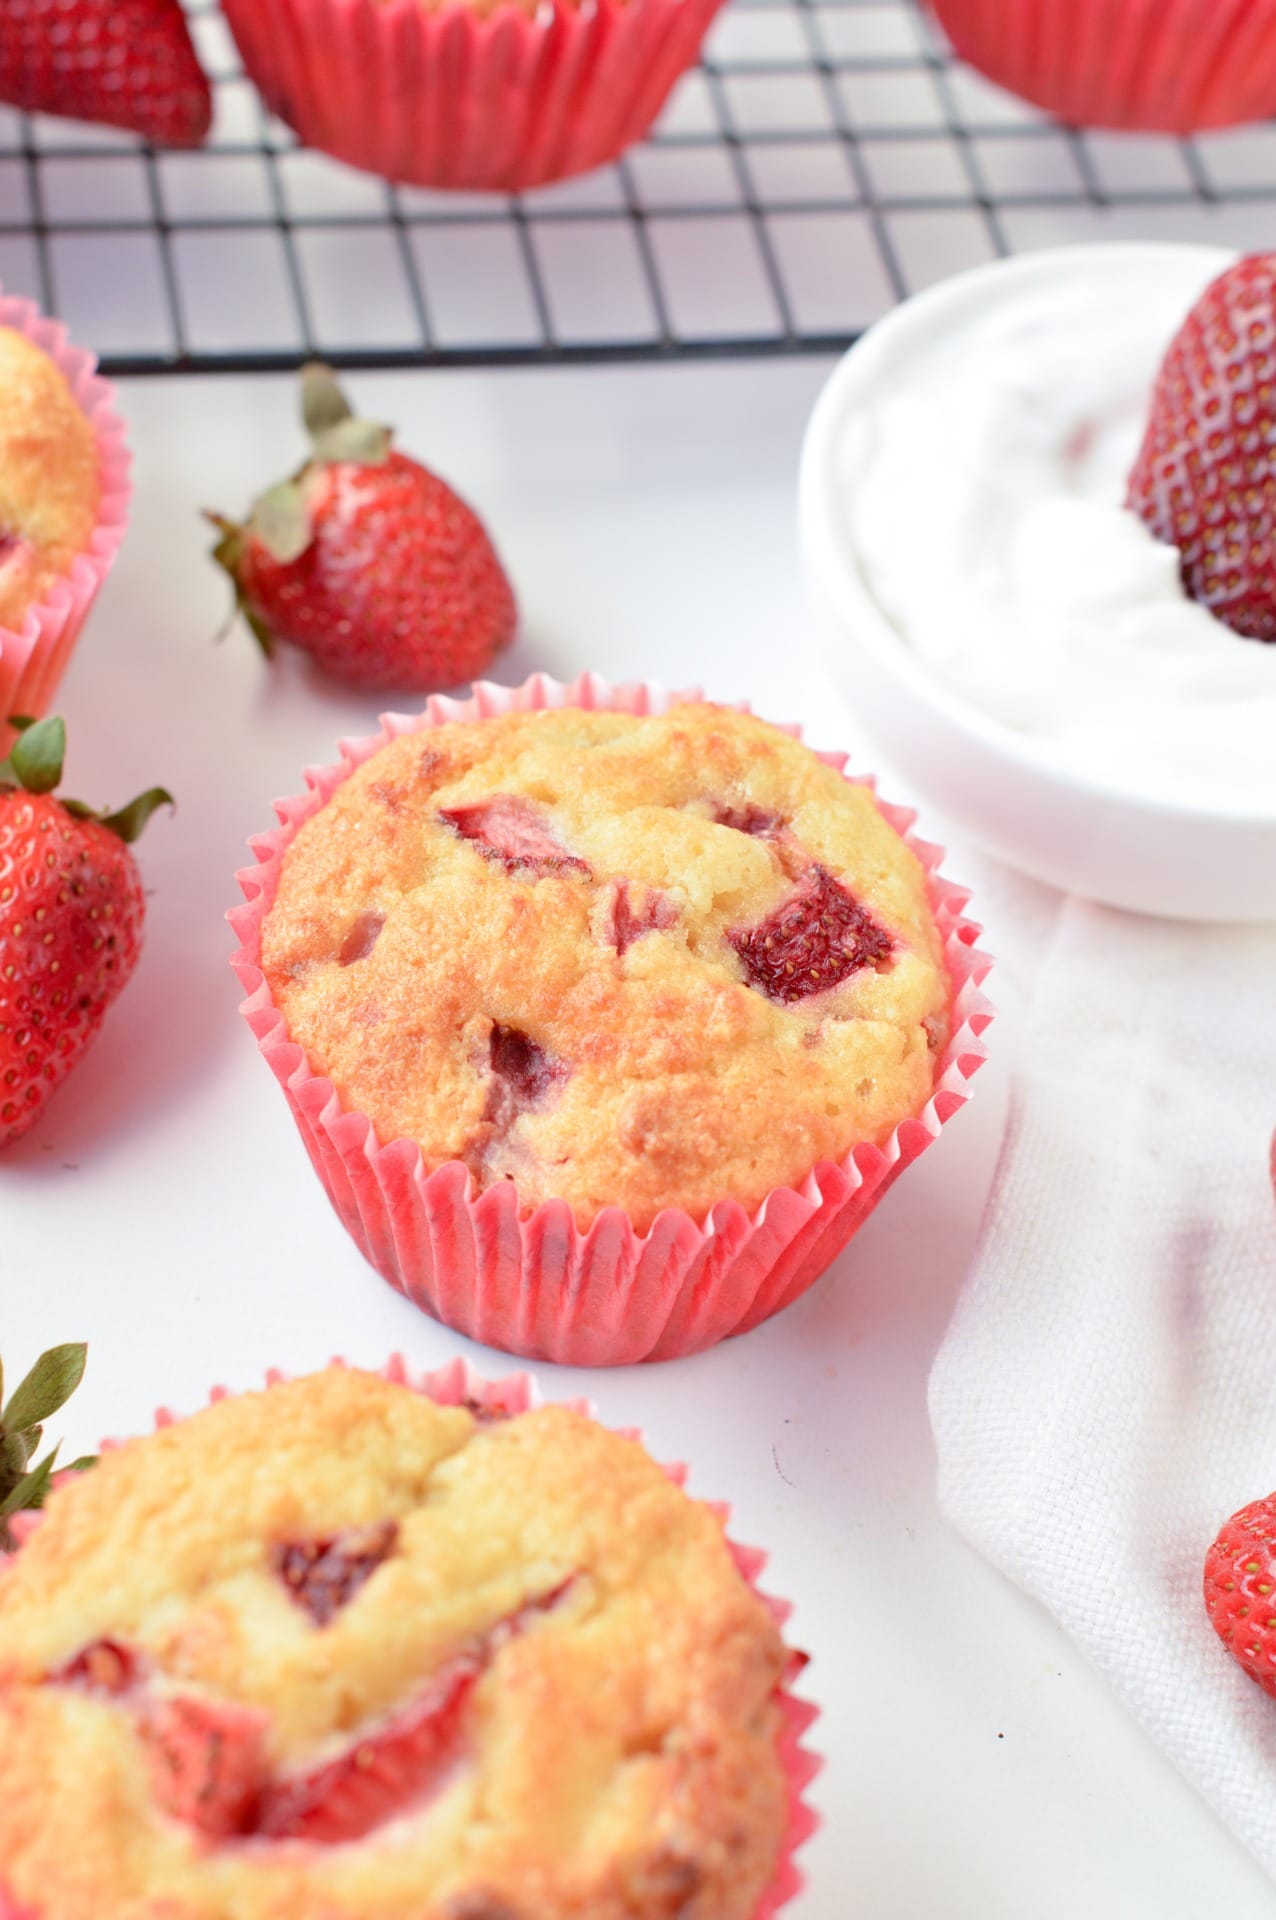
x: 829, y: 157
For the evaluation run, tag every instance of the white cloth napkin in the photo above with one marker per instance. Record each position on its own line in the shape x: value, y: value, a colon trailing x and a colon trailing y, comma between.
x: 1106, y: 1393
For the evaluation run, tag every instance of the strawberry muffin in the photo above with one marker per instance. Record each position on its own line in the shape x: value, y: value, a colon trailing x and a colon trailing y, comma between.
x: 621, y: 961
x: 606, y: 1016
x: 64, y: 496
x: 497, y: 95
x: 50, y: 486
x: 335, y: 1650
x: 1173, y: 66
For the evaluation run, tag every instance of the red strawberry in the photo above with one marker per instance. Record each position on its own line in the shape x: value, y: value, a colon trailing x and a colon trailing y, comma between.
x: 509, y: 829
x: 324, y: 1575
x: 208, y: 1762
x: 523, y: 1076
x: 368, y: 561
x: 1205, y: 477
x: 379, y: 1776
x: 104, y: 1666
x: 750, y: 819
x: 71, y: 912
x: 1240, y: 1589
x: 522, y: 1070
x: 627, y: 909
x: 814, y: 940
x: 487, y: 1412
x: 127, y: 62
x: 401, y: 1761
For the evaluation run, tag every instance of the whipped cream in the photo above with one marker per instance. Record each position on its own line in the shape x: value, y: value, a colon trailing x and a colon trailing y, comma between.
x: 984, y: 484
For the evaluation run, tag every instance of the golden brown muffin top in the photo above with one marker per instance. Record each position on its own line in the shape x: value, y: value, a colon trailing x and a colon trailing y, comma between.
x: 49, y: 476
x: 643, y: 962
x: 332, y: 1652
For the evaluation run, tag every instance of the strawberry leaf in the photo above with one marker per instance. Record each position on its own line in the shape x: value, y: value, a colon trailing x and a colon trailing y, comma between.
x: 281, y: 523
x: 361, y: 441
x: 260, y: 631
x: 48, y: 1386
x: 35, y: 761
x: 128, y: 823
x: 228, y: 553
x: 230, y: 543
x: 15, y: 1458
x: 336, y: 432
x: 31, y: 1490
x: 323, y: 405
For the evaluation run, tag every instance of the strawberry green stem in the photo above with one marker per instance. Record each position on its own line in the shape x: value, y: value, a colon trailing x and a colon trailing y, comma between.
x: 35, y: 766
x: 48, y: 1386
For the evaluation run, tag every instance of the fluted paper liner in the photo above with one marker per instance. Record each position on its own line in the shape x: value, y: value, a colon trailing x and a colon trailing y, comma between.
x: 1174, y: 66
x: 443, y: 97
x: 457, y: 1384
x: 529, y: 1281
x: 34, y: 658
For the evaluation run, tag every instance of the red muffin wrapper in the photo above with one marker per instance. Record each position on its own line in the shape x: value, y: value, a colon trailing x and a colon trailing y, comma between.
x: 530, y: 1281
x: 34, y: 658
x: 444, y: 98
x: 1174, y: 66
x: 457, y: 1384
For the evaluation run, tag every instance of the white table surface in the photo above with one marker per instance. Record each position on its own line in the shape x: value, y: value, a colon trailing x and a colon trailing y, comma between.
x: 165, y: 1211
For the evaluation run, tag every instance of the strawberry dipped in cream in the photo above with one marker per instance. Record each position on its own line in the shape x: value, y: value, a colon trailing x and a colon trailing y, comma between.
x: 1044, y: 568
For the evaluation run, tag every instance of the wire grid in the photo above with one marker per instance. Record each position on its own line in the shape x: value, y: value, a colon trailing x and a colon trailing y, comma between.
x: 828, y: 158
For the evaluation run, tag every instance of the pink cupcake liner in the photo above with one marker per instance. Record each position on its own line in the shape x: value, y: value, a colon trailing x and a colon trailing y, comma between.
x: 33, y: 659
x: 444, y: 98
x: 530, y: 1281
x: 457, y: 1384
x: 1175, y: 66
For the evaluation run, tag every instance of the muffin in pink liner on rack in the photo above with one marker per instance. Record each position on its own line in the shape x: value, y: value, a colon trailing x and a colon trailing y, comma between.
x: 64, y: 494
x: 499, y: 95
x: 1170, y: 66
x: 365, y: 1644
x: 606, y: 1015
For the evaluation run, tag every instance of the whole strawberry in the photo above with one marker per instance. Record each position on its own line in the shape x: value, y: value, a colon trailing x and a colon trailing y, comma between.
x: 1240, y: 1589
x: 1205, y: 477
x: 368, y: 561
x: 129, y: 63
x: 71, y: 913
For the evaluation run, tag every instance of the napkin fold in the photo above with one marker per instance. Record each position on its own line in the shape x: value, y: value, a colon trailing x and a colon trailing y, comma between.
x: 1106, y: 1394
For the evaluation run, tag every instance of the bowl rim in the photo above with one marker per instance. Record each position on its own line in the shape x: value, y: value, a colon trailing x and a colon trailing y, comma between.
x: 827, y: 552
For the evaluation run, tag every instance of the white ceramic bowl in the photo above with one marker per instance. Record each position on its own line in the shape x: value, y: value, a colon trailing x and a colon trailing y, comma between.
x: 997, y: 785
